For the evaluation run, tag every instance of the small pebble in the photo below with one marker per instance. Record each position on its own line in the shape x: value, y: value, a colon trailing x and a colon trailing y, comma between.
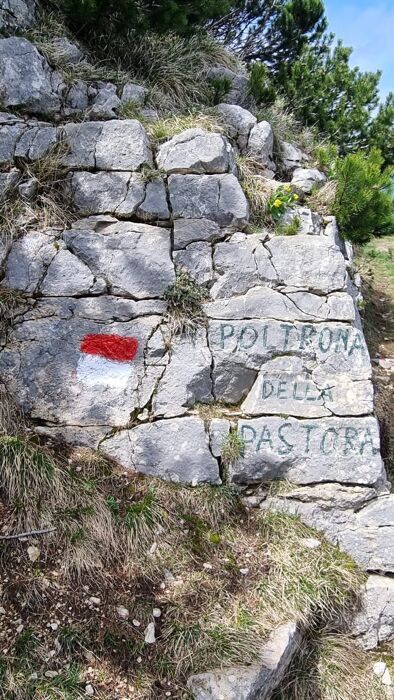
x: 122, y: 612
x: 33, y: 553
x: 89, y: 690
x: 156, y: 612
x: 136, y: 623
x: 207, y: 566
x: 150, y: 636
x: 244, y: 572
x: 94, y: 601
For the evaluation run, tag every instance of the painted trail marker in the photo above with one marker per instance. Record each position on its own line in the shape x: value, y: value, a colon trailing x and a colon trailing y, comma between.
x: 106, y: 359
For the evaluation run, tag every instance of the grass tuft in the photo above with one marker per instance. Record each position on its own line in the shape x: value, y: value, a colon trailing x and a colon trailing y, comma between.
x: 233, y: 447
x: 185, y: 298
x: 169, y: 126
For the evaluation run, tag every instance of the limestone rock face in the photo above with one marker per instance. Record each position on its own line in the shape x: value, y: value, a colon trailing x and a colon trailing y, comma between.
x: 238, y: 92
x: 26, y: 80
x: 307, y: 178
x: 239, y: 123
x: 154, y: 449
x: 196, y: 151
x: 374, y: 623
x: 216, y: 197
x: 261, y: 144
x: 291, y: 156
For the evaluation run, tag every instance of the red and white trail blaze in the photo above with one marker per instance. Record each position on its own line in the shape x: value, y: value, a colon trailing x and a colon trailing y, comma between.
x: 106, y: 359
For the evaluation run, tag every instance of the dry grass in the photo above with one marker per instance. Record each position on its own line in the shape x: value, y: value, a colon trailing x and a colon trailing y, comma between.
x: 323, y: 199
x: 258, y: 191
x: 331, y: 666
x: 167, y: 127
x: 185, y: 297
x: 286, y: 127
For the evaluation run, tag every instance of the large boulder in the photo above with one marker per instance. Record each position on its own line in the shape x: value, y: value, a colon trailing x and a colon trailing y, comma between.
x: 216, y: 197
x: 196, y: 151
x: 26, y: 80
x: 154, y: 448
x: 291, y: 156
x: 308, y: 178
x: 239, y: 123
x: 238, y: 92
x: 261, y: 144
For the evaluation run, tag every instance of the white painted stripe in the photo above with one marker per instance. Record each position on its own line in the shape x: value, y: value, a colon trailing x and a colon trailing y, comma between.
x: 93, y: 370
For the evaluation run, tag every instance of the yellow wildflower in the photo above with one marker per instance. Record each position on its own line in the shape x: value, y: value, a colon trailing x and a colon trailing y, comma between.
x: 296, y: 197
x: 277, y: 203
x: 287, y: 188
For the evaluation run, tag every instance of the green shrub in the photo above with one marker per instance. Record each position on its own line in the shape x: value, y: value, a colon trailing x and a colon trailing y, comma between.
x: 259, y: 86
x: 220, y: 87
x: 364, y: 204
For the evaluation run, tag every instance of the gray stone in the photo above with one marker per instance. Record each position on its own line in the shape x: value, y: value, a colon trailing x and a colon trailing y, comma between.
x: 106, y: 103
x: 216, y: 197
x: 122, y: 193
x: 53, y: 378
x: 291, y: 156
x: 238, y: 93
x: 187, y: 377
x: 197, y: 260
x: 8, y: 183
x: 67, y: 276
x: 374, y: 622
x: 307, y: 178
x: 28, y: 259
x: 65, y: 51
x: 241, y: 263
x: 81, y: 140
x: 28, y: 189
x: 122, y: 145
x: 36, y: 142
x: 9, y: 135
x: 286, y: 386
x: 134, y: 258
x: 133, y: 93
x: 264, y: 302
x: 239, y: 123
x: 336, y: 348
x: 254, y: 682
x: 329, y: 449
x: 26, y: 81
x: 196, y: 151
x: 308, y: 263
x: 17, y: 14
x: 191, y: 230
x: 219, y: 428
x: 176, y: 449
x: 100, y: 192
x: 261, y: 144
x: 77, y: 98
x: 332, y: 496
x: 310, y: 222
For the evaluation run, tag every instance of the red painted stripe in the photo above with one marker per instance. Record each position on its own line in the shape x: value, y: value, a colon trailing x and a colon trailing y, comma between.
x: 113, y: 347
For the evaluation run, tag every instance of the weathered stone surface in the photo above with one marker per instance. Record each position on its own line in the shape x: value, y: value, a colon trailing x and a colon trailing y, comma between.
x: 328, y: 449
x: 77, y: 98
x: 59, y: 383
x: 197, y: 260
x: 26, y: 80
x: 190, y: 230
x: 241, y: 263
x: 134, y: 258
x: 17, y: 14
x: 238, y: 93
x: 310, y: 222
x: 9, y: 135
x: 28, y: 189
x: 133, y: 93
x: 175, y: 449
x: 264, y: 302
x: 106, y: 103
x: 307, y: 178
x: 312, y: 264
x: 122, y: 145
x: 255, y: 682
x: 366, y: 535
x: 196, y: 151
x: 66, y: 51
x: 122, y: 193
x: 374, y: 622
x: 81, y: 140
x: 67, y: 276
x: 218, y: 431
x: 8, y: 182
x: 35, y: 142
x: 28, y: 259
x: 291, y: 156
x: 216, y: 197
x: 261, y: 144
x: 239, y: 123
x: 336, y: 347
x: 332, y: 496
x: 286, y: 385
x: 187, y: 377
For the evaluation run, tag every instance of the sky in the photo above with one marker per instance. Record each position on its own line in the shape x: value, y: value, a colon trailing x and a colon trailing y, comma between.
x: 368, y: 26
